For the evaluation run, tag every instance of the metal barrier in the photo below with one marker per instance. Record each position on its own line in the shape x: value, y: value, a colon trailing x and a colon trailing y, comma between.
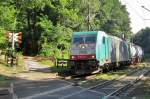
x: 62, y: 62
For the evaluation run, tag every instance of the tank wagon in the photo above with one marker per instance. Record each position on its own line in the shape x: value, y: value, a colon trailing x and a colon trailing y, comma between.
x: 139, y: 54
x: 133, y: 51
x: 95, y: 50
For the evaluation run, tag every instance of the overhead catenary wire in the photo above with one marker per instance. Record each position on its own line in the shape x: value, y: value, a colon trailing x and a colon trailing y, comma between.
x: 136, y: 12
x: 144, y: 4
x: 147, y: 10
x: 144, y: 9
x: 142, y: 17
x: 141, y: 3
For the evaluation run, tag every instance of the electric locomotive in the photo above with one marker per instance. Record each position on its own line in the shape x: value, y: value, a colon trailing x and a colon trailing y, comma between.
x: 83, y: 52
x: 95, y: 51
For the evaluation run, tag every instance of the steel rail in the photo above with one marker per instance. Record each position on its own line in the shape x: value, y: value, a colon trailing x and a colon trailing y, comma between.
x: 100, y: 85
x: 125, y: 87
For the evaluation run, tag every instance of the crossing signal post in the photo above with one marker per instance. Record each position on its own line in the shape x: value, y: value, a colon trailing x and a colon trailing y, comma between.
x: 12, y: 38
x: 18, y: 37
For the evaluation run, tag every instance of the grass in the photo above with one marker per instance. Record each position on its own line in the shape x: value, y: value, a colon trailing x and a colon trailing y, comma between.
x: 109, y: 76
x: 143, y: 64
x: 7, y: 72
x: 10, y: 71
x: 4, y: 81
x: 46, y: 62
x: 21, y: 61
x: 147, y: 87
x: 102, y: 78
x: 51, y: 65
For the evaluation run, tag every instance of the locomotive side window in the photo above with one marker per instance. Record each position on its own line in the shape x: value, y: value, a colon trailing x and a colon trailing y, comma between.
x: 103, y: 40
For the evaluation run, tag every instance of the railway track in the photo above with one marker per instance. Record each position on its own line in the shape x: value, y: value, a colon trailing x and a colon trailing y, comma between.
x: 134, y: 88
x: 67, y: 90
x: 113, y: 87
x: 79, y: 80
x: 130, y: 84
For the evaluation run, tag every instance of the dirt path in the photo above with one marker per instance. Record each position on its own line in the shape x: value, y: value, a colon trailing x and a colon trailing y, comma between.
x: 35, y: 71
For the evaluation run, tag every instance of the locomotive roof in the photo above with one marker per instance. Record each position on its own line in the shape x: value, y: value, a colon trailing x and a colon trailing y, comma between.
x: 88, y: 32
x: 85, y: 33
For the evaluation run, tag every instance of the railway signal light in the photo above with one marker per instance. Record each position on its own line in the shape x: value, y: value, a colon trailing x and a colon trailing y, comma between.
x: 18, y: 37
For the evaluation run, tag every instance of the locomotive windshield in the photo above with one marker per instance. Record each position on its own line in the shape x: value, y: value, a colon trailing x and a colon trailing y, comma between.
x: 90, y: 39
x: 84, y: 40
x: 78, y: 40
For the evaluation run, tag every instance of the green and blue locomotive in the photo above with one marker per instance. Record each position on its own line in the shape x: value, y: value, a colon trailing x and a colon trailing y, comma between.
x: 95, y: 51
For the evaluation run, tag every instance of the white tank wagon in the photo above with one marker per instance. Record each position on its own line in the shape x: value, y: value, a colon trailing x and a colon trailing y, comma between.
x: 133, y: 51
x: 137, y: 53
x: 140, y: 53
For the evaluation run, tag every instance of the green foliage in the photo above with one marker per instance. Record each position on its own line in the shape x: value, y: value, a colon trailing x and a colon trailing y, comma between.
x: 47, y: 23
x: 7, y: 21
x: 46, y: 62
x: 142, y: 38
x: 52, y: 36
x: 7, y: 17
x: 115, y: 18
x: 2, y: 38
x: 4, y: 82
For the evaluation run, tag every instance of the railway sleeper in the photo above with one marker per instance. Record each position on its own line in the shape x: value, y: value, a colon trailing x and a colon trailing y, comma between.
x: 127, y: 86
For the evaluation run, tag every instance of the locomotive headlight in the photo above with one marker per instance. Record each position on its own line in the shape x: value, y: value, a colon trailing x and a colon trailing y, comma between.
x: 93, y: 56
x: 72, y: 57
x: 83, y: 46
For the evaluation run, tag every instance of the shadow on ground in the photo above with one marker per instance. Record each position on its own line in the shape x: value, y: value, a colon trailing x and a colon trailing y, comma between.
x: 62, y: 72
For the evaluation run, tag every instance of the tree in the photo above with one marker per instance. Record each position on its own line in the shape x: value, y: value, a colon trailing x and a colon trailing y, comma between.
x: 142, y: 38
x: 45, y: 23
x: 7, y: 21
x: 114, y: 18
